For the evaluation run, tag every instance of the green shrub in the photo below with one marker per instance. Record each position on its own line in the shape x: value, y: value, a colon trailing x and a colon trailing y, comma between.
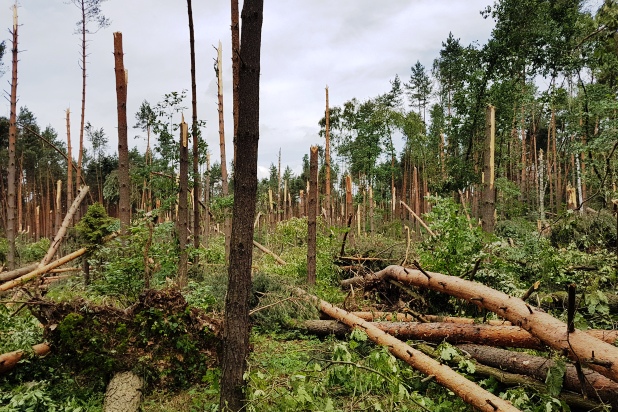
x: 587, y: 232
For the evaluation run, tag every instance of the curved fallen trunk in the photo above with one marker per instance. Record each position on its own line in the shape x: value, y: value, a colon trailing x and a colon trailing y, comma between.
x: 597, y: 386
x: 590, y: 351
x: 470, y: 392
x: 9, y: 360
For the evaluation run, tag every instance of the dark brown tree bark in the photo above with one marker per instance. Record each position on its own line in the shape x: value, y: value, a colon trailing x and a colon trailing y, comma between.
x: 235, y: 69
x: 183, y: 210
x: 589, y: 350
x: 195, y: 137
x: 123, y: 148
x: 236, y: 322
x: 312, y: 212
x: 12, y: 172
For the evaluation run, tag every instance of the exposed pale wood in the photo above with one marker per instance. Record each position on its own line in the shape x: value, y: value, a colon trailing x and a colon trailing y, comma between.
x: 418, y: 219
x: 124, y: 393
x: 312, y: 210
x: 269, y: 252
x: 40, y: 270
x: 468, y: 391
x: 406, y: 317
x: 9, y: 360
x: 53, y: 248
x: 599, y: 355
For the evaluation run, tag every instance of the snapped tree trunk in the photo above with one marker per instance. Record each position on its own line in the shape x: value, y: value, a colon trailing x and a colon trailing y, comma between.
x: 327, y: 161
x: 236, y: 322
x: 489, y: 192
x: 123, y: 148
x: 599, y: 355
x: 467, y: 390
x: 183, y: 211
x: 312, y: 216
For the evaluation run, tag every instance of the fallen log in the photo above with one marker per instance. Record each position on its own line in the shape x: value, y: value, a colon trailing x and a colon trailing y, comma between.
x: 269, y: 252
x: 63, y: 270
x: 508, y: 336
x: 38, y: 272
x: 514, y: 379
x: 13, y: 274
x: 589, y: 350
x: 55, y: 244
x: 406, y: 317
x: 597, y: 386
x: 495, y: 335
x: 9, y: 360
x: 124, y: 393
x: 468, y: 391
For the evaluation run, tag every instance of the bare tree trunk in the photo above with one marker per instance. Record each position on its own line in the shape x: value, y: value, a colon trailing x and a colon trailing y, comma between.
x: 312, y: 215
x: 195, y: 137
x: 489, y: 192
x: 183, y: 212
x: 327, y: 161
x: 224, y: 177
x: 80, y: 154
x: 12, y: 200
x: 235, y: 69
x: 236, y: 322
x: 123, y: 149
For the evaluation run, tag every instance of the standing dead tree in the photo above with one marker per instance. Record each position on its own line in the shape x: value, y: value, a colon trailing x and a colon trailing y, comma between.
x: 12, y: 200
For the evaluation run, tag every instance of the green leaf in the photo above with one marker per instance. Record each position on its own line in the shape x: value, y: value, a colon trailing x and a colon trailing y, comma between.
x: 555, y: 377
x: 448, y: 353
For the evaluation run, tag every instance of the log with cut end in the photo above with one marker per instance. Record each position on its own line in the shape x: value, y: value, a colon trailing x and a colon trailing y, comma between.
x: 9, y: 360
x: 14, y: 274
x: 124, y: 393
x: 591, y: 351
x: 597, y: 386
x: 468, y: 391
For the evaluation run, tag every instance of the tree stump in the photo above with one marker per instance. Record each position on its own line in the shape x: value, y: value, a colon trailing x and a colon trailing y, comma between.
x: 124, y: 393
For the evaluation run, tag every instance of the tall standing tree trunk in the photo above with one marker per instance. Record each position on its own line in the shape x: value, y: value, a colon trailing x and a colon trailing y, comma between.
x: 235, y: 70
x: 183, y: 212
x: 312, y: 210
x: 123, y: 149
x: 236, y: 323
x: 69, y: 160
x: 195, y: 137
x: 83, y: 113
x: 489, y: 193
x: 327, y: 161
x: 224, y: 182
x: 10, y: 230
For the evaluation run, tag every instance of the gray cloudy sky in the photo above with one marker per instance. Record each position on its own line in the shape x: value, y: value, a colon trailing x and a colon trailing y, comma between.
x: 354, y: 46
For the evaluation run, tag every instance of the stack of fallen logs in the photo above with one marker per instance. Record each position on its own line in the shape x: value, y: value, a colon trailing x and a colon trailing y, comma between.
x: 591, y: 380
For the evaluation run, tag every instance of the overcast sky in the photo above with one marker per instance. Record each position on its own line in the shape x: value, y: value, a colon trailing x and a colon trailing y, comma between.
x: 353, y: 46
